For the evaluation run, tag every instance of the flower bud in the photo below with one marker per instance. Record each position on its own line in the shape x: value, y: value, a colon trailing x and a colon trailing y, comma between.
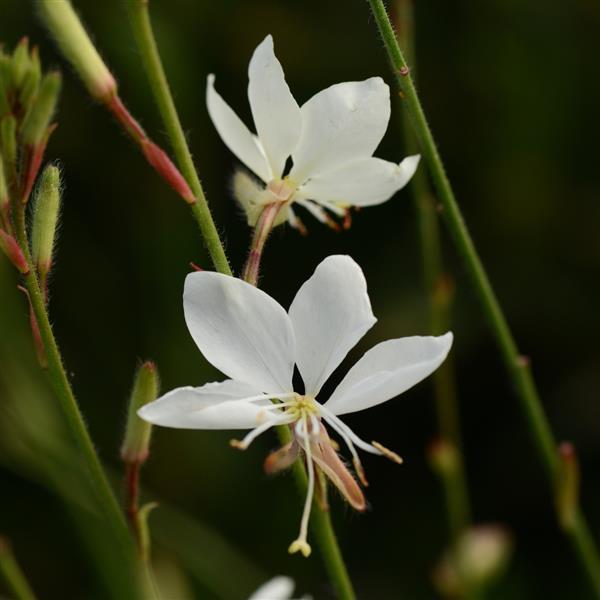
x: 76, y: 45
x: 478, y: 558
x: 11, y: 248
x: 37, y: 121
x: 20, y: 62
x: 137, y: 433
x: 45, y: 221
x: 567, y: 493
x: 32, y: 80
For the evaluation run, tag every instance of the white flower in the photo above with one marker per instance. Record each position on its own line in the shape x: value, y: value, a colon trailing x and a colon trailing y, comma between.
x: 278, y: 588
x: 331, y: 140
x: 248, y: 336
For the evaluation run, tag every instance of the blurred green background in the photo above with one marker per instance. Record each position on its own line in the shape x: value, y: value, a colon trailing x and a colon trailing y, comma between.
x: 511, y: 92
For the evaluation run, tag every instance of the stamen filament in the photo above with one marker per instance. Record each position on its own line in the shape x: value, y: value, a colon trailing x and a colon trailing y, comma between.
x: 252, y: 435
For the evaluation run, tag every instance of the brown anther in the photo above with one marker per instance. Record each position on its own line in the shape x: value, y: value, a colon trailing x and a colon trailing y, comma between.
x: 360, y: 472
x: 347, y: 223
x: 195, y: 267
x: 388, y: 453
x: 237, y: 444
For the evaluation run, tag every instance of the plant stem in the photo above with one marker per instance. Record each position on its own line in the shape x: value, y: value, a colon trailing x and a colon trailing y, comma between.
x: 322, y: 527
x: 262, y: 229
x: 516, y: 364
x: 144, y: 35
x: 12, y: 575
x: 438, y: 286
x: 105, y: 498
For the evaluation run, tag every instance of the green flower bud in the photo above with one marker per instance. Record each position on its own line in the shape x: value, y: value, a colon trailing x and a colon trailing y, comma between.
x: 75, y: 44
x: 8, y: 138
x: 36, y: 123
x: 137, y: 433
x: 31, y: 81
x: 45, y: 221
x: 20, y: 62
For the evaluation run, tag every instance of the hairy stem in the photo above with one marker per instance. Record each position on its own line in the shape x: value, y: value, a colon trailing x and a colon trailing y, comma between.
x: 516, y: 364
x: 144, y: 35
x: 438, y: 286
x: 107, y: 503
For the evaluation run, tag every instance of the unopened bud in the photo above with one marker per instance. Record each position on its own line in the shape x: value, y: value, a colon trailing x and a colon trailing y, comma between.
x: 32, y: 80
x: 20, y: 62
x: 478, y: 558
x: 13, y: 252
x: 45, y: 221
x: 137, y: 433
x: 159, y: 159
x: 76, y: 45
x: 567, y: 492
x: 8, y: 137
x: 443, y: 457
x: 37, y: 120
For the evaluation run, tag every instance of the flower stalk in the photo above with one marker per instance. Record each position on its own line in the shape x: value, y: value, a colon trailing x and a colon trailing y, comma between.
x: 517, y: 365
x: 439, y: 290
x: 262, y: 230
x: 148, y: 49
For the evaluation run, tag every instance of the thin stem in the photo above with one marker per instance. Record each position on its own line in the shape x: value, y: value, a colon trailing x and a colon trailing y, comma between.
x: 12, y: 575
x: 132, y: 484
x: 262, y: 230
x: 144, y: 35
x: 438, y: 286
x: 516, y: 364
x: 322, y: 528
x: 106, y: 500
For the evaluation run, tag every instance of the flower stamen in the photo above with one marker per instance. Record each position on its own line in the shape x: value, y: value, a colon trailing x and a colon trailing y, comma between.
x: 252, y: 435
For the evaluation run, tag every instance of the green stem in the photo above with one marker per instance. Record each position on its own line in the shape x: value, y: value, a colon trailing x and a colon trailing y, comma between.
x: 516, y: 364
x: 438, y: 287
x: 142, y: 28
x: 105, y: 497
x: 12, y: 575
x: 322, y: 528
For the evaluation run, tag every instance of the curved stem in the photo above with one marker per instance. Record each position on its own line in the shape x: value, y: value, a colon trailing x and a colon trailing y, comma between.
x: 516, y: 364
x: 106, y: 500
x: 438, y: 286
x: 322, y: 528
x: 142, y: 28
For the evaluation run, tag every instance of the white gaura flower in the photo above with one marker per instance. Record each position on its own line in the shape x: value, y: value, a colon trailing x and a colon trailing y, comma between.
x: 248, y: 336
x: 330, y: 139
x: 278, y: 588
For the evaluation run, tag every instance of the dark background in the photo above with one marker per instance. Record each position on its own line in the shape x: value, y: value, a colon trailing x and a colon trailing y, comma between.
x: 510, y: 88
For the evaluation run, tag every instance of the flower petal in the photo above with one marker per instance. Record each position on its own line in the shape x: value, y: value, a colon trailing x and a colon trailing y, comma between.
x: 240, y: 330
x: 330, y: 313
x: 219, y: 405
x: 235, y: 134
x: 363, y: 182
x: 387, y: 370
x: 340, y: 124
x: 278, y: 588
x: 276, y: 114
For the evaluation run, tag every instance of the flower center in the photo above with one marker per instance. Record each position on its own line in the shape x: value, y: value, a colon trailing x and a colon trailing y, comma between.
x: 281, y: 190
x: 303, y: 407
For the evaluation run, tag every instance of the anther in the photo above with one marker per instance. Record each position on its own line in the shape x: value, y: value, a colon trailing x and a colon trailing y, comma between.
x: 300, y: 546
x: 388, y: 453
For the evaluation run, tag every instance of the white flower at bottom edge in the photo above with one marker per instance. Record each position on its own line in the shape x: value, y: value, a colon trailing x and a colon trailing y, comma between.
x: 248, y: 336
x: 330, y: 139
x: 278, y: 588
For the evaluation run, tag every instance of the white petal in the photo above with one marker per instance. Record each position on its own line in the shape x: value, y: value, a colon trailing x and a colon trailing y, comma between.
x: 342, y: 123
x: 363, y: 182
x: 235, y: 134
x: 240, y: 330
x: 387, y: 370
x: 219, y: 405
x: 276, y: 114
x: 330, y: 313
x: 278, y: 588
